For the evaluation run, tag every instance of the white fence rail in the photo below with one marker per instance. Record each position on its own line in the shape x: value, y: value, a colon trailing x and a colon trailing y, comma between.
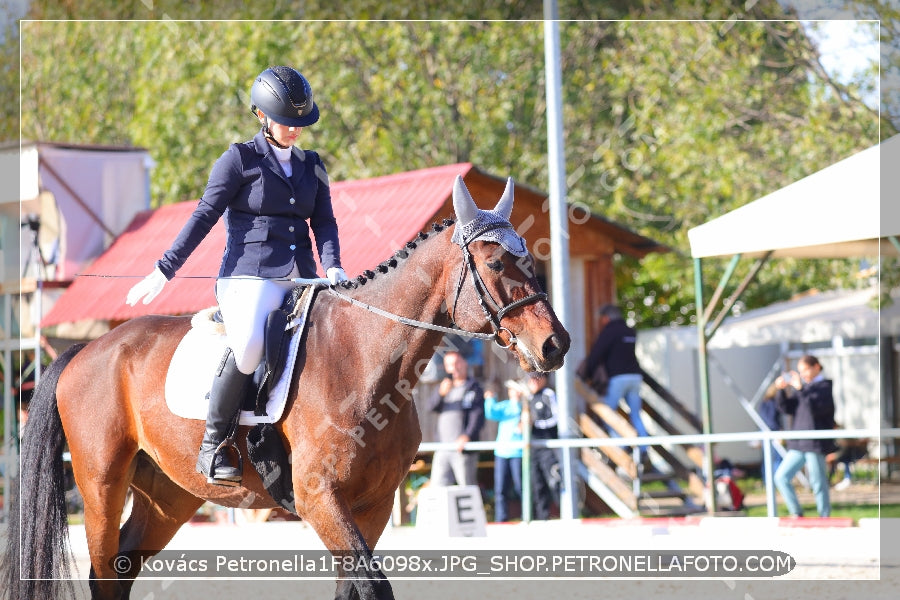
x: 687, y: 439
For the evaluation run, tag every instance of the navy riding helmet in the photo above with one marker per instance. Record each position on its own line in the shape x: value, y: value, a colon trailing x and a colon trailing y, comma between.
x: 285, y: 96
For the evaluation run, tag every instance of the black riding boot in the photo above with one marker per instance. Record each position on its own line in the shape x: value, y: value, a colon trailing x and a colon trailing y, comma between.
x: 222, y: 467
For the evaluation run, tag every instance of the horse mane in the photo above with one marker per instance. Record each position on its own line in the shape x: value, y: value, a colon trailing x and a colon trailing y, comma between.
x: 400, y: 255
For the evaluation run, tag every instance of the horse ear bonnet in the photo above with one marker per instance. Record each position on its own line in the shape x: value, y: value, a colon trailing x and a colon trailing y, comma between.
x: 471, y: 220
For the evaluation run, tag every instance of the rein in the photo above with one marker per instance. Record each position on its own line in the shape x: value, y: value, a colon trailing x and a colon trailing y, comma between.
x: 483, y: 295
x: 411, y: 322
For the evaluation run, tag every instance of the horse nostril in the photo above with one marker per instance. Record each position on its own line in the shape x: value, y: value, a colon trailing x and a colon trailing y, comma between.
x: 553, y: 348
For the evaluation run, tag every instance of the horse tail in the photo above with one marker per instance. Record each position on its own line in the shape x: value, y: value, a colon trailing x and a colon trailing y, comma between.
x: 37, y: 548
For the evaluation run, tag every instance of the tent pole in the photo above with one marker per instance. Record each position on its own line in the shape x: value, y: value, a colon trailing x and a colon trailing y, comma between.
x: 745, y: 283
x: 720, y: 289
x: 894, y: 242
x: 703, y: 366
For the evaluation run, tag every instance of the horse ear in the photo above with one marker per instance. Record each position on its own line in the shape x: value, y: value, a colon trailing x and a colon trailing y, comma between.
x: 505, y: 205
x: 463, y: 204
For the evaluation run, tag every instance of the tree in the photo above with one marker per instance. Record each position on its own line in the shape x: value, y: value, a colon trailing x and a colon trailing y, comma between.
x: 667, y: 123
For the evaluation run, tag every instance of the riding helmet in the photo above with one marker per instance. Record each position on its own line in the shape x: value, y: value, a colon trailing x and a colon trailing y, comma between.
x: 285, y: 96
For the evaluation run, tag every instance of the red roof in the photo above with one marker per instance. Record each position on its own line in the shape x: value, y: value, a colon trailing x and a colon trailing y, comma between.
x: 375, y: 216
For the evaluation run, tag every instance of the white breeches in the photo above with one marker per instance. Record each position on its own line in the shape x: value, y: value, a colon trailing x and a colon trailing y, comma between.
x: 245, y: 302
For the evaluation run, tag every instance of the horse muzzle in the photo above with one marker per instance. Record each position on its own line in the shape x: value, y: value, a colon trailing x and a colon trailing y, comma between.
x: 547, y: 356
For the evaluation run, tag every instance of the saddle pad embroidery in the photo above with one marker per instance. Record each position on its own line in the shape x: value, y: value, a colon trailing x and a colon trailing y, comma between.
x: 198, y: 355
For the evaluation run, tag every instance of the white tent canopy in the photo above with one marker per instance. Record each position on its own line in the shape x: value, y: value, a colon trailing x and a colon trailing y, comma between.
x: 834, y: 213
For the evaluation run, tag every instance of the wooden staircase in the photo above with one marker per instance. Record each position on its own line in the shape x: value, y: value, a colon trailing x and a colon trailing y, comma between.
x: 611, y: 473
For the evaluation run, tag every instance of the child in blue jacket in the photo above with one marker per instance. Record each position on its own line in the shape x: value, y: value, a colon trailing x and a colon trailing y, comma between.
x: 507, y: 460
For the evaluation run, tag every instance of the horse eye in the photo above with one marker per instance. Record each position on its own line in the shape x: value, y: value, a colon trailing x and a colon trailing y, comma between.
x: 495, y: 265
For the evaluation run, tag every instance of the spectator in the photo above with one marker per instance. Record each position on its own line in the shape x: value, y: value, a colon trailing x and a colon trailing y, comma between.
x: 545, y: 476
x: 807, y: 397
x: 459, y: 402
x: 615, y: 349
x: 507, y: 461
x: 771, y: 415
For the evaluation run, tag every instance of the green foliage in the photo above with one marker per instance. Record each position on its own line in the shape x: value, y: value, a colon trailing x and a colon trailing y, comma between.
x: 668, y: 124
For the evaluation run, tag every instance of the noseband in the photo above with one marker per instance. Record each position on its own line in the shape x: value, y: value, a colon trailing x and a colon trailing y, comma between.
x: 484, y: 294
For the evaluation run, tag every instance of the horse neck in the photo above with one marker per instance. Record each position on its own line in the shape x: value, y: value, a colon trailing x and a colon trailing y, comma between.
x: 414, y: 289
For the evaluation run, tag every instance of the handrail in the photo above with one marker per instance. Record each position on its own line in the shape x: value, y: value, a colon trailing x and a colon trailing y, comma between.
x: 686, y: 439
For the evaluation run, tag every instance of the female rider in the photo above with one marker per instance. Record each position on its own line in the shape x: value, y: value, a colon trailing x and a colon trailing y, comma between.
x: 271, y: 194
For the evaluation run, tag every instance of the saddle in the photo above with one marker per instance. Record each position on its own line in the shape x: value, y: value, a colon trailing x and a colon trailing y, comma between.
x: 264, y: 445
x: 199, y: 353
x: 276, y: 341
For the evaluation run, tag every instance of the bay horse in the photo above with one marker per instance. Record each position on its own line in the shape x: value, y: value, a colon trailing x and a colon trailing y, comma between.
x: 365, y: 347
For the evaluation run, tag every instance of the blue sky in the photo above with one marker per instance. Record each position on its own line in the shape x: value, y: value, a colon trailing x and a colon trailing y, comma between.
x: 847, y: 48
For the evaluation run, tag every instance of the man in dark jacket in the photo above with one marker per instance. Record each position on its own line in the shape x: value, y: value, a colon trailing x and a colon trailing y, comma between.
x: 459, y: 402
x: 614, y: 348
x: 811, y: 406
x: 544, y: 417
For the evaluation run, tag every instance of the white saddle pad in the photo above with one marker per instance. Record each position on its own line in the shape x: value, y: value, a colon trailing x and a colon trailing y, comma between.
x: 194, y: 364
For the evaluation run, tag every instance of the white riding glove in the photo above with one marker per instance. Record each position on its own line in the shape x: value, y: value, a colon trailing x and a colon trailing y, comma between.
x: 336, y: 275
x: 148, y: 288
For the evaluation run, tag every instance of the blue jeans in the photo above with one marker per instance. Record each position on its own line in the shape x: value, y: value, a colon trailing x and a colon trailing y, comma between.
x: 505, y: 469
x: 627, y: 386
x: 776, y: 460
x: 818, y: 481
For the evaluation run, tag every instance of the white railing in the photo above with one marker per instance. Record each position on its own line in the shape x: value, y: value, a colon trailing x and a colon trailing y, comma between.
x: 686, y: 439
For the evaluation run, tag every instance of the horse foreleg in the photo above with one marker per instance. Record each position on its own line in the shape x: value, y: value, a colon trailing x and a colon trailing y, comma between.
x: 159, y: 510
x: 371, y: 524
x: 330, y: 516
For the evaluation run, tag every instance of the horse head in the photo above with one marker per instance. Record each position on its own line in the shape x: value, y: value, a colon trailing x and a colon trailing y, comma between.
x: 496, y: 287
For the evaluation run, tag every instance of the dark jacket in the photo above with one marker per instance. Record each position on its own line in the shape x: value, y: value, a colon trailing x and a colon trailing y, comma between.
x: 472, y: 406
x: 545, y: 415
x: 614, y: 348
x: 265, y: 214
x: 770, y: 414
x: 812, y: 407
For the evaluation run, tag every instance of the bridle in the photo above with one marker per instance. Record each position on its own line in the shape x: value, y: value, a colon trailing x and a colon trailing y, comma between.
x: 484, y: 295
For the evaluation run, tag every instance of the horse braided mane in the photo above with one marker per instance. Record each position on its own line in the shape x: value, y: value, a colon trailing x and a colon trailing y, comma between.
x: 399, y: 256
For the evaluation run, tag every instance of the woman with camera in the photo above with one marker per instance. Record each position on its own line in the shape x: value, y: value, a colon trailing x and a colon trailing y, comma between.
x: 807, y: 397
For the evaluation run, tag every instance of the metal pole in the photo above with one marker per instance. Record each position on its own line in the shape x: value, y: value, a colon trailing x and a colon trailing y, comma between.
x: 9, y: 408
x: 767, y: 477
x: 559, y: 243
x: 39, y: 303
x: 703, y: 368
x: 526, y: 460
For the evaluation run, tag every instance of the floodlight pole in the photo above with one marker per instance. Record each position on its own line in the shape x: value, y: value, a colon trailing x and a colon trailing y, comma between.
x: 559, y: 244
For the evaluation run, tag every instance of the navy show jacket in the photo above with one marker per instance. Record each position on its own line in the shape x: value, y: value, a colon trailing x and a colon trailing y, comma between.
x: 266, y: 214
